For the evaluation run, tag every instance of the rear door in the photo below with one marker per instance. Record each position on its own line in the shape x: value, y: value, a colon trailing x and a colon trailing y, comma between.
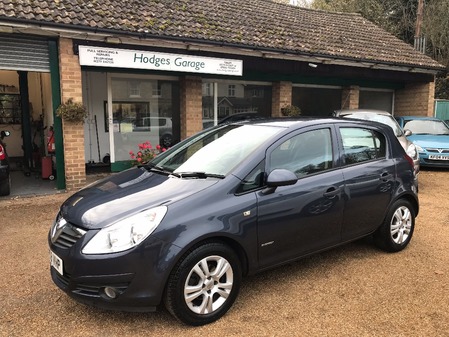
x: 369, y: 172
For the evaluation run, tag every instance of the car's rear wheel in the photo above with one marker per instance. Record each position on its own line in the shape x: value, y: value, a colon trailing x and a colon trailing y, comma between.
x: 204, y: 284
x: 397, y: 230
x: 5, y: 186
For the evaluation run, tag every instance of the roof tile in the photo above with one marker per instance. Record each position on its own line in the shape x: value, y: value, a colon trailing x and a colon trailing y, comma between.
x: 255, y: 23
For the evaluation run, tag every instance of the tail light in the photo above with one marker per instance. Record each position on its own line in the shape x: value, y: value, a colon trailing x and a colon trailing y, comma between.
x: 2, y: 153
x: 410, y: 161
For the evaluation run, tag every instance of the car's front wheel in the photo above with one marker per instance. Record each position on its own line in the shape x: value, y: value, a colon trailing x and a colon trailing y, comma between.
x: 204, y: 284
x: 397, y: 230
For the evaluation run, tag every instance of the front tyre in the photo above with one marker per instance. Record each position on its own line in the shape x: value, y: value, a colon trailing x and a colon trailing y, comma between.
x: 397, y: 230
x: 204, y: 284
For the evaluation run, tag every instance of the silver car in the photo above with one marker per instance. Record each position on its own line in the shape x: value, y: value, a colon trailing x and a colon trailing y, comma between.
x: 385, y: 117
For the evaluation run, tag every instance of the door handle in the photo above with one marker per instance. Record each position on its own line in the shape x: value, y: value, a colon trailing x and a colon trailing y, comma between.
x: 332, y: 192
x: 386, y: 176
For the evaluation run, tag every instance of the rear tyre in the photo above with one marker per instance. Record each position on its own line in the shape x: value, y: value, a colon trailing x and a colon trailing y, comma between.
x: 204, y: 284
x: 5, y: 186
x: 397, y: 229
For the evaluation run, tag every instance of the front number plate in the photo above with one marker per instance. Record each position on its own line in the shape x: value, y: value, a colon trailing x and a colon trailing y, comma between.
x: 56, y: 262
x: 438, y: 157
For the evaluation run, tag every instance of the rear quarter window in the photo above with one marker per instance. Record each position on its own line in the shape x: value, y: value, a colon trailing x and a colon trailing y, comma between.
x: 362, y: 145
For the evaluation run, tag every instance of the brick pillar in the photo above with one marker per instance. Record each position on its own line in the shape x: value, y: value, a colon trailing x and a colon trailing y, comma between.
x: 415, y: 99
x: 281, y: 97
x: 73, y: 134
x: 191, y: 106
x: 350, y: 97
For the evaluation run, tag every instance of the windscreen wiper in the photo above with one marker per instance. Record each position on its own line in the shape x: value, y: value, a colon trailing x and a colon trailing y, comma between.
x: 199, y: 175
x: 156, y: 168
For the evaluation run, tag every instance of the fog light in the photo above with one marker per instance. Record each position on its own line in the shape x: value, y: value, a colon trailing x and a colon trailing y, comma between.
x: 110, y: 292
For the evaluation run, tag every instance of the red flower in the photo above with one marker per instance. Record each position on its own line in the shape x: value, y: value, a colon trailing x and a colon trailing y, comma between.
x: 145, y: 153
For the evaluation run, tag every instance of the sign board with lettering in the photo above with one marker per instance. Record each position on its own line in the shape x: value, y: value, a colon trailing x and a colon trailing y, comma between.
x: 124, y: 58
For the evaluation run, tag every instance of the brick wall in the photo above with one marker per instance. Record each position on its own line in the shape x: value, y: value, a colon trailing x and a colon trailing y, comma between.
x: 350, y: 97
x: 73, y: 134
x: 191, y: 106
x: 281, y: 97
x: 415, y: 99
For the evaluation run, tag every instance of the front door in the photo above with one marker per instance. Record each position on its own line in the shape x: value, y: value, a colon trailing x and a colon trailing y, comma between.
x: 305, y: 217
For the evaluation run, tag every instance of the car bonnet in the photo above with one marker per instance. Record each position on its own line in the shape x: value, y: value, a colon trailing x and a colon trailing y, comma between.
x: 431, y: 141
x: 127, y: 193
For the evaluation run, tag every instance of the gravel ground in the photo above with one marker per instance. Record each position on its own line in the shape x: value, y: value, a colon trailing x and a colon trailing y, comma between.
x: 355, y: 290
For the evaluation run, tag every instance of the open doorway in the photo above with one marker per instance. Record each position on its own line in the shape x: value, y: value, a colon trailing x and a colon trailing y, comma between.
x: 26, y: 113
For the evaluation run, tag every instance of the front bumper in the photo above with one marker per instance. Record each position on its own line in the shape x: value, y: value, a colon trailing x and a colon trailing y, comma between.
x: 137, y: 276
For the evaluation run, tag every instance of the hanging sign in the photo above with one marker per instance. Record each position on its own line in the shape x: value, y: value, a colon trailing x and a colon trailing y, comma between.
x: 124, y: 58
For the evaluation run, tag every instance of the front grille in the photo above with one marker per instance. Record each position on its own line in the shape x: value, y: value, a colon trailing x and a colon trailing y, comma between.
x: 67, y: 236
x: 89, y: 290
x: 433, y: 150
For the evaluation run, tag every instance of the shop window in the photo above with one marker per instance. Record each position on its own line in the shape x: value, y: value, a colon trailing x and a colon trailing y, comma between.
x: 128, y: 116
x: 238, y: 97
x: 152, y: 117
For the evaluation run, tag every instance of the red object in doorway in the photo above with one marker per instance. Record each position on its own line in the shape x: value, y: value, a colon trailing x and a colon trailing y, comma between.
x: 51, y: 141
x: 47, y: 167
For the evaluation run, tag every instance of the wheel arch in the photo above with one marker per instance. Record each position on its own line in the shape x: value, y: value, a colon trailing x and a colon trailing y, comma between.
x: 410, y: 198
x: 233, y: 244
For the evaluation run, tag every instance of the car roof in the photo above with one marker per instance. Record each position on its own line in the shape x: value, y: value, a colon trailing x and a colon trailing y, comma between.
x: 419, y: 117
x: 303, y: 121
x: 361, y: 111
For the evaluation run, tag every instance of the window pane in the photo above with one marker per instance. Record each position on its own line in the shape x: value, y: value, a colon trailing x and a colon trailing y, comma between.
x: 142, y: 110
x: 304, y: 154
x: 236, y: 98
x: 360, y: 145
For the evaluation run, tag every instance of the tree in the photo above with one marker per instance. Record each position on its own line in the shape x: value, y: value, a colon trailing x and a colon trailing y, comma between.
x: 299, y: 3
x: 396, y: 16
x: 399, y: 18
x: 436, y: 29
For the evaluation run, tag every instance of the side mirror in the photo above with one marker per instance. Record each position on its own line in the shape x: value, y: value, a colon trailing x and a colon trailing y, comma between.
x: 279, y: 177
x: 407, y: 132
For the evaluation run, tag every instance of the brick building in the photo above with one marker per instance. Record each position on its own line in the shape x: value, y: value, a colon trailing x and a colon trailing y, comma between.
x: 163, y: 70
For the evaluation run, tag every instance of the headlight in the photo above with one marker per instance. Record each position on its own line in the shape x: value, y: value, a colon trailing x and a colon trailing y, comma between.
x: 126, y: 233
x: 419, y: 148
x: 412, y: 151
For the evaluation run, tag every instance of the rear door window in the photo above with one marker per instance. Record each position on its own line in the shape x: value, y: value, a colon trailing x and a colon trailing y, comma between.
x: 361, y: 145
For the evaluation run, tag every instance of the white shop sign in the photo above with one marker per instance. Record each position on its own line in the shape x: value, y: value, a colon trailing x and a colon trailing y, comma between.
x: 137, y: 59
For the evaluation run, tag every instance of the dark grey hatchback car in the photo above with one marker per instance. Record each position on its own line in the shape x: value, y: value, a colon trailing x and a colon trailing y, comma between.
x: 231, y: 201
